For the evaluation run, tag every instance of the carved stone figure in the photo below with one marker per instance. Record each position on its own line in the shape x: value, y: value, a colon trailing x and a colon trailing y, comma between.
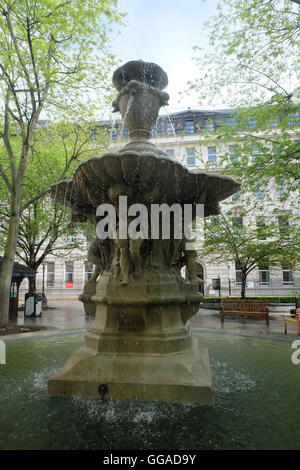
x: 100, y: 254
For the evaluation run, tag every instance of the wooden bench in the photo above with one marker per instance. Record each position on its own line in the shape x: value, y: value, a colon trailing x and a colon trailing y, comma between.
x: 292, y: 320
x: 258, y: 308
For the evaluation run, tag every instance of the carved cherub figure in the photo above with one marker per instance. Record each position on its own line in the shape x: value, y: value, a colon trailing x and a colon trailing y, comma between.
x: 100, y: 254
x: 129, y: 249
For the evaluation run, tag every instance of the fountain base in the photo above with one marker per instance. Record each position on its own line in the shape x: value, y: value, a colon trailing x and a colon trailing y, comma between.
x: 182, y: 377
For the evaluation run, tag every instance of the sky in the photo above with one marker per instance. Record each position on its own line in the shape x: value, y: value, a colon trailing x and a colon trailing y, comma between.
x: 164, y: 32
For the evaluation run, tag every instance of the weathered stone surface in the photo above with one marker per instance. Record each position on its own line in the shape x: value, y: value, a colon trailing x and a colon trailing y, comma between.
x: 153, y: 179
x: 139, y: 346
x: 183, y: 377
x: 144, y: 72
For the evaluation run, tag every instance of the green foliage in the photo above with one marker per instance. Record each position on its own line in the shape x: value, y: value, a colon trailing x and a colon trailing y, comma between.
x: 252, y: 244
x: 227, y: 237
x: 253, y: 65
x: 59, y: 148
x: 270, y: 299
x: 55, y: 53
x: 254, y: 52
x: 54, y: 63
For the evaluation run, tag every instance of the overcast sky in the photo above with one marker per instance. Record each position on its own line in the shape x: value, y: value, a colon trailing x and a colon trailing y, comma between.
x: 164, y: 32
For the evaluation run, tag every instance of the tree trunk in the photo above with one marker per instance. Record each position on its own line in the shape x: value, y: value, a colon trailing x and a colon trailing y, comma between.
x: 32, y: 284
x: 8, y: 261
x: 12, y: 238
x: 243, y: 288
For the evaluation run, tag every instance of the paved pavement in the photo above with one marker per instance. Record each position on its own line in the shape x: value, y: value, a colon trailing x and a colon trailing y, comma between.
x: 63, y: 315
x: 69, y: 314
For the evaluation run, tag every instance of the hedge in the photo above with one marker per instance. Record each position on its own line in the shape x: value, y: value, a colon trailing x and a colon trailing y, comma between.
x: 272, y: 299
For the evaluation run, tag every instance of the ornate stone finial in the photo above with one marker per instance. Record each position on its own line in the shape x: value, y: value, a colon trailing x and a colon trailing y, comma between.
x: 140, y: 96
x: 144, y: 72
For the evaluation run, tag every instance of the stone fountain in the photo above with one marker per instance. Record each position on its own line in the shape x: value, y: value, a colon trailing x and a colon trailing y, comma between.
x: 140, y: 345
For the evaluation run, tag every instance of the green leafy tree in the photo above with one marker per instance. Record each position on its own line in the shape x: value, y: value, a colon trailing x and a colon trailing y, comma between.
x: 44, y: 224
x: 250, y: 246
x: 253, y: 65
x: 54, y: 59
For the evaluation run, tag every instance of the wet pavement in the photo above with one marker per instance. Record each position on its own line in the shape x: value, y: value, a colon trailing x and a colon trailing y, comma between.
x: 62, y: 315
x: 69, y: 315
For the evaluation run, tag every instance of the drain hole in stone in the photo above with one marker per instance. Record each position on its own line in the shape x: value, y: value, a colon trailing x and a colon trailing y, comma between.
x: 103, y: 390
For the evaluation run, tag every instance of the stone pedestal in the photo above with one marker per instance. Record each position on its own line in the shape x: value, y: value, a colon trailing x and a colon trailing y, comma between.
x: 140, y: 351
x: 176, y: 377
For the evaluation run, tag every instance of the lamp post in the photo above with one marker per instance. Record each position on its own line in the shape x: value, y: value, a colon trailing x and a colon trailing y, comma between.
x: 43, y: 286
x: 229, y: 281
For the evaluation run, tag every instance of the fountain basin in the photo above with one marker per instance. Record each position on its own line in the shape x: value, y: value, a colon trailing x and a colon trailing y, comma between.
x: 256, y: 402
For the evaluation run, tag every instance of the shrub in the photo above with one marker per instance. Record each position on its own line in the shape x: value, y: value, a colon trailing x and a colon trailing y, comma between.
x: 271, y: 299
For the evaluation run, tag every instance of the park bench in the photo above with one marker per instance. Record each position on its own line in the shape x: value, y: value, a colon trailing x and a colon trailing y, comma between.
x: 293, y: 319
x: 258, y: 308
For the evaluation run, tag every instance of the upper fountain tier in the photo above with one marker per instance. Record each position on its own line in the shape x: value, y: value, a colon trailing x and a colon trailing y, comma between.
x: 140, y: 98
x: 144, y: 72
x: 149, y: 175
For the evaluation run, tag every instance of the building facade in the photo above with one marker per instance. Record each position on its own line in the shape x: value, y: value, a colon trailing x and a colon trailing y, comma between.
x: 188, y: 137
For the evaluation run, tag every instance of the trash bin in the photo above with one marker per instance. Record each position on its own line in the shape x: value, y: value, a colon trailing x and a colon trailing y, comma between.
x: 33, y: 304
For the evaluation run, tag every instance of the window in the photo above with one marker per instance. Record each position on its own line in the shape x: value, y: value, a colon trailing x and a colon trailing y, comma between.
x: 233, y: 153
x: 229, y: 121
x: 191, y: 157
x: 255, y: 152
x: 212, y: 154
x: 280, y: 189
x: 50, y: 274
x: 113, y: 134
x: 209, y: 126
x: 154, y: 132
x: 259, y: 194
x: 251, y: 123
x: 237, y: 222
x: 275, y: 123
x: 283, y: 225
x: 261, y: 225
x: 169, y: 128
x: 264, y: 275
x: 189, y: 127
x: 70, y: 240
x: 287, y: 276
x: 294, y: 119
x: 88, y: 271
x: 238, y: 272
x: 170, y: 153
x: 94, y: 135
x: 69, y: 273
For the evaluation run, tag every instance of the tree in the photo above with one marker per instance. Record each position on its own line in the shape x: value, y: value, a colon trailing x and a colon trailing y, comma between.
x: 253, y: 65
x: 44, y: 224
x: 44, y: 229
x: 52, y: 54
x: 249, y: 246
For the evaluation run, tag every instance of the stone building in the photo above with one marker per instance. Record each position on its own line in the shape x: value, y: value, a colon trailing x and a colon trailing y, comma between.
x: 189, y: 137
